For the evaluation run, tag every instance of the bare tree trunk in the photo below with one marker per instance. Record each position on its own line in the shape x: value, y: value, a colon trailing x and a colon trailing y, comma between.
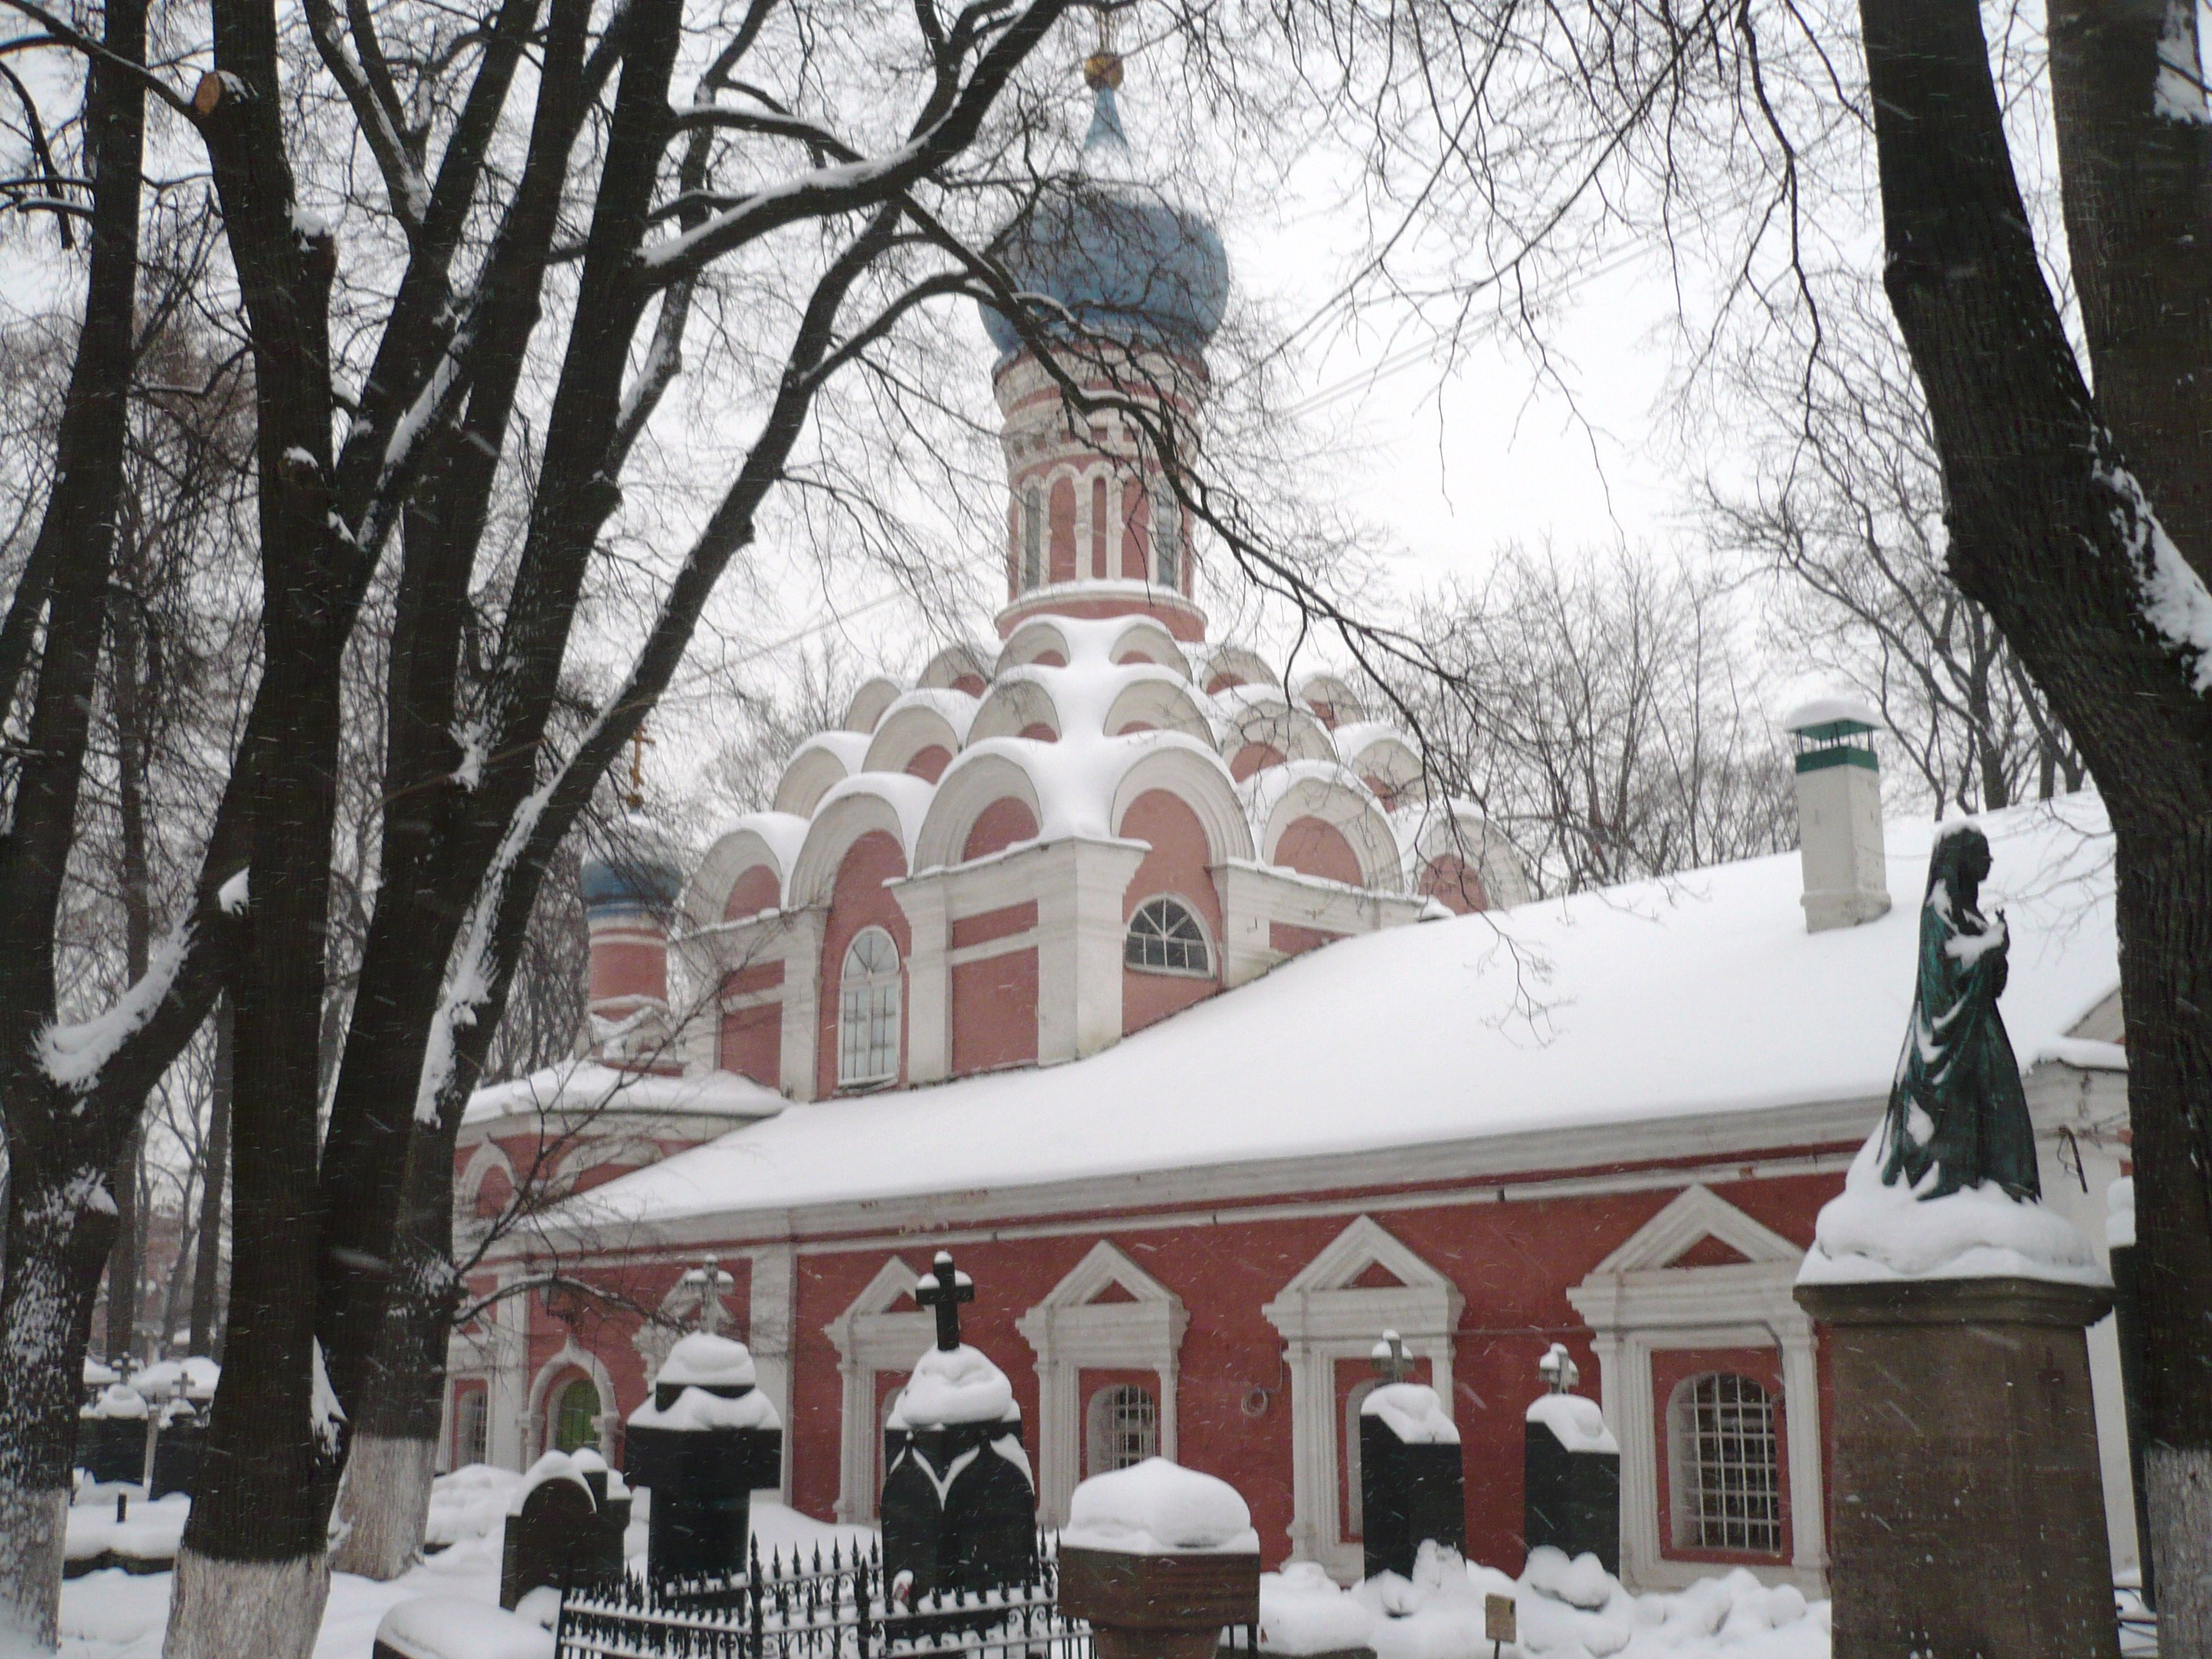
x: 2049, y: 532
x: 214, y: 1173
x: 61, y: 1216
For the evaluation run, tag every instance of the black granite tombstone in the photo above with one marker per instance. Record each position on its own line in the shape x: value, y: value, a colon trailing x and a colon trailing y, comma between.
x: 703, y: 1444
x: 1571, y: 1471
x: 959, y: 1513
x: 111, y: 1436
x: 177, y: 1443
x: 1411, y: 1491
x: 554, y: 1540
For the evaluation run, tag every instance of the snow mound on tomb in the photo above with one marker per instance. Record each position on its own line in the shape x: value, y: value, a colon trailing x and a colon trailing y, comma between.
x: 1160, y: 1508
x: 470, y: 1503
x: 554, y: 1466
x: 159, y: 1381
x: 705, y: 1360
x: 1413, y: 1413
x: 1577, y: 1423
x: 455, y: 1627
x: 1874, y: 1230
x: 961, y: 1386
x: 695, y: 1411
x: 1570, y: 1609
x: 117, y: 1400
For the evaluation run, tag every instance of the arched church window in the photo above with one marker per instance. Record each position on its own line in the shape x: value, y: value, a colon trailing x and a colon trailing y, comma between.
x: 1032, y: 538
x: 575, y: 1416
x: 471, y: 1432
x: 1167, y: 538
x: 1725, y: 1465
x: 868, y: 1011
x: 1164, y: 937
x: 1123, y: 1430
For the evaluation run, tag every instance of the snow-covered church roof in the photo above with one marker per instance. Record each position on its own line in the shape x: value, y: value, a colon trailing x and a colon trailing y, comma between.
x: 1691, y: 1015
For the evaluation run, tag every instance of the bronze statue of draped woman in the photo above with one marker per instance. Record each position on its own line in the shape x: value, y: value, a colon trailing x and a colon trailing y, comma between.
x: 1957, y: 1107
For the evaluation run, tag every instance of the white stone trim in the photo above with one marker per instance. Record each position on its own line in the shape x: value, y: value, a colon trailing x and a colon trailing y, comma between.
x: 1324, y: 1318
x: 571, y: 1358
x: 1637, y: 1303
x: 869, y: 1339
x: 1070, y: 1332
x: 1006, y: 945
x: 774, y: 1302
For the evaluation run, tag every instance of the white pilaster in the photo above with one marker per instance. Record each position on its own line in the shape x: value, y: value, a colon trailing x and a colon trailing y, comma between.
x: 928, y: 979
x: 802, y: 1001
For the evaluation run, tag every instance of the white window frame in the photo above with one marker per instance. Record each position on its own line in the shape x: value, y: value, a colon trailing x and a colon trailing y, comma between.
x: 1167, y: 538
x: 1190, y: 911
x: 1636, y: 1303
x: 1033, y: 550
x: 873, y: 995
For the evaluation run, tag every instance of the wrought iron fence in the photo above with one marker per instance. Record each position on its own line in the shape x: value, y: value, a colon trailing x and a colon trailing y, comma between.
x: 795, y: 1607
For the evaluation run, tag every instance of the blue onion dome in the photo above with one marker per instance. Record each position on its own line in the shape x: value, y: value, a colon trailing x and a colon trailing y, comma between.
x: 1124, y: 263
x: 629, y: 880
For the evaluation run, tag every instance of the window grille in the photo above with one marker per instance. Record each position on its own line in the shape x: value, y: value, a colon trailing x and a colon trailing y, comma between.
x: 868, y: 1011
x: 1125, y: 1428
x: 1032, y: 538
x: 1163, y: 935
x: 472, y: 1434
x: 1726, y: 1465
x: 1167, y: 538
x: 575, y: 1423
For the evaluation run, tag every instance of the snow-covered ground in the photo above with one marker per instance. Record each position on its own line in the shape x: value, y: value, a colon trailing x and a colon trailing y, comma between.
x: 112, y: 1615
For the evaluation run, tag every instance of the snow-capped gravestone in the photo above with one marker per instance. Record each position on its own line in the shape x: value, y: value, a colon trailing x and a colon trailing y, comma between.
x: 705, y: 1442
x: 563, y: 1527
x: 1411, y: 1489
x: 179, y: 1392
x: 959, y: 1504
x: 1963, y: 1441
x: 1570, y: 1469
x: 1161, y: 1560
x: 110, y: 1435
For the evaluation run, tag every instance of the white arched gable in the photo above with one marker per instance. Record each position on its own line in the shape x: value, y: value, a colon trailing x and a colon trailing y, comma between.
x: 1465, y: 834
x: 865, y: 710
x: 816, y: 767
x: 1196, y: 777
x: 969, y: 786
x: 1016, y: 701
x: 920, y: 720
x: 1261, y: 714
x: 1233, y: 664
x: 1311, y: 789
x: 1038, y: 636
x: 1323, y: 690
x: 1372, y: 750
x: 1145, y: 640
x: 954, y: 663
x: 886, y: 801
x: 769, y: 840
x: 1161, y: 702
x: 487, y: 1158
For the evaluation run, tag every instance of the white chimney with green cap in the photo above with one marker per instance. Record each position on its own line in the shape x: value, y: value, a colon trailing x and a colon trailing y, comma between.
x: 1839, y: 812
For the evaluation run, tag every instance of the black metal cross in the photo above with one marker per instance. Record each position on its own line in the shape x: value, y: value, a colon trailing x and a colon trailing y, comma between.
x: 1390, y: 1360
x: 943, y: 1288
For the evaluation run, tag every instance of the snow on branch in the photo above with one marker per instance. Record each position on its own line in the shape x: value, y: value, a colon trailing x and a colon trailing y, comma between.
x: 73, y: 1056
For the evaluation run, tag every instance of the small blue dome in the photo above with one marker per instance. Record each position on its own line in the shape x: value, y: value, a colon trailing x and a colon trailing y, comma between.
x: 636, y: 882
x: 1126, y: 265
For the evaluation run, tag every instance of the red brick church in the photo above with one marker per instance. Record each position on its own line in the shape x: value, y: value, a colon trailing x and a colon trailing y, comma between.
x: 1161, y: 989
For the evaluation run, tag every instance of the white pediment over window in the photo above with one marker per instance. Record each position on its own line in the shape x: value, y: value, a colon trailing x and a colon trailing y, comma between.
x: 1698, y: 1214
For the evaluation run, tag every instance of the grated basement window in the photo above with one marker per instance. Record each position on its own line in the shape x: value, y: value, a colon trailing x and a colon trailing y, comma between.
x: 1727, y: 1466
x: 1165, y: 935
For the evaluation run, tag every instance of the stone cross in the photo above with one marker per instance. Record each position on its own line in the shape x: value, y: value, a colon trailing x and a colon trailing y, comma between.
x: 943, y: 1288
x: 1391, y: 1359
x: 1559, y: 1368
x: 710, y: 1278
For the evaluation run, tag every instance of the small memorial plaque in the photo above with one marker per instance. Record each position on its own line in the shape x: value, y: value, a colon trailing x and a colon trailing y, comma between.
x: 1501, y: 1618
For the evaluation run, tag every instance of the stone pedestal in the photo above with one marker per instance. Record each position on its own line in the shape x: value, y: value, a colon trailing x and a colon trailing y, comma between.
x: 1967, y: 1514
x: 1570, y: 1484
x: 702, y: 1481
x: 1407, y: 1493
x: 177, y: 1456
x: 1158, y: 1606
